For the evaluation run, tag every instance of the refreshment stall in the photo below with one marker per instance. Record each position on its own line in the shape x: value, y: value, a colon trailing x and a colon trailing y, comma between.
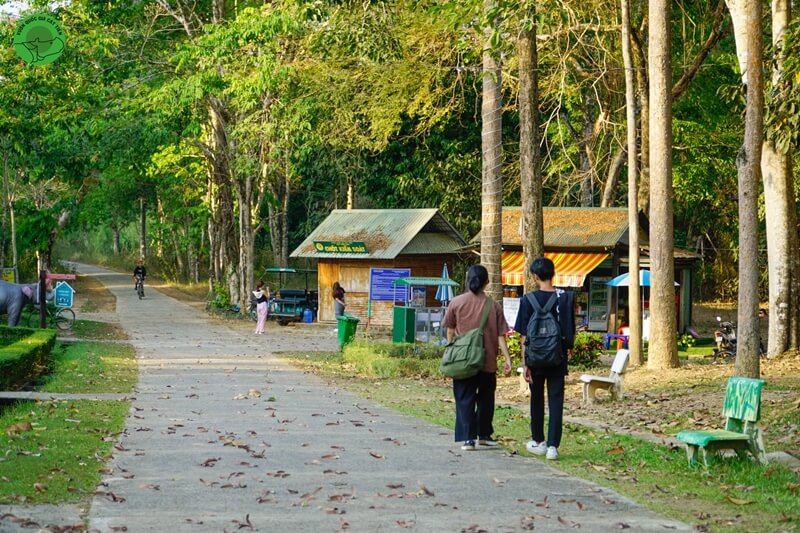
x: 414, y: 321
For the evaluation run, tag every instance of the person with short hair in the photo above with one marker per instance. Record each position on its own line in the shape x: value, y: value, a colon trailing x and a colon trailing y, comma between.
x: 474, y: 396
x: 139, y: 272
x: 544, y: 271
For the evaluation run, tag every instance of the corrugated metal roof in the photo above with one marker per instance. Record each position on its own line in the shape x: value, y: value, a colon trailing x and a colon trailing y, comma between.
x: 386, y: 232
x: 570, y: 227
x: 431, y: 243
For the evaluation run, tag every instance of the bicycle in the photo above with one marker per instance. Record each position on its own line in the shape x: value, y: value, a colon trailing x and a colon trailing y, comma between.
x: 61, y: 318
x: 140, y: 286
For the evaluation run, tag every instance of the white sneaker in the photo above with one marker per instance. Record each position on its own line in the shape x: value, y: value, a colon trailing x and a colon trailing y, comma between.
x: 536, y: 448
x: 552, y: 453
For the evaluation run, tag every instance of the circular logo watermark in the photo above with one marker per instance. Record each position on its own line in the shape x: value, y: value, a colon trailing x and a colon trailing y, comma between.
x: 39, y: 39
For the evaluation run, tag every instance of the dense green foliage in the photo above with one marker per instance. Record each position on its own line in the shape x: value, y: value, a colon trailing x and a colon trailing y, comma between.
x: 222, y: 131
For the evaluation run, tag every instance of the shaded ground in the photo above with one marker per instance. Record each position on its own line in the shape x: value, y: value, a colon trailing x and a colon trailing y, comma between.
x: 91, y: 296
x: 690, y: 397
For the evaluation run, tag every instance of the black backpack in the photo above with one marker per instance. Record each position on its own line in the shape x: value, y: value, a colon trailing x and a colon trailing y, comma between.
x: 543, y: 337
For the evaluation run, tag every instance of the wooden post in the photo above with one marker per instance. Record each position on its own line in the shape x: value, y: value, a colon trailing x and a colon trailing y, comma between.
x: 42, y: 299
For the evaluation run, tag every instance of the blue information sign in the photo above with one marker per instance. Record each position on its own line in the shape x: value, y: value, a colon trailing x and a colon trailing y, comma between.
x: 380, y: 284
x: 63, y: 294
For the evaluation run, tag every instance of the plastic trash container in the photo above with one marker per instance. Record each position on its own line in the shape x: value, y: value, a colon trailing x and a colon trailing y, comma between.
x: 346, y: 329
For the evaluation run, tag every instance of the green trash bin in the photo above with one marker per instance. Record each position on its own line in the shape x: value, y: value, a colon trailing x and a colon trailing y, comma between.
x: 404, y: 324
x: 347, y: 329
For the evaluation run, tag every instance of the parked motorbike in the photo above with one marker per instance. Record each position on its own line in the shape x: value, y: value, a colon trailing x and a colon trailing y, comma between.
x: 725, y: 337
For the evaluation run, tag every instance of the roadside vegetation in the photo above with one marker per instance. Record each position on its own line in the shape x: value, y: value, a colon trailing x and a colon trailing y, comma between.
x: 55, y: 451
x: 731, y: 495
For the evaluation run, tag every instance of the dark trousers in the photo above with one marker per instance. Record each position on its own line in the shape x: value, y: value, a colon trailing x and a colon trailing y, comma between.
x: 555, y: 402
x: 474, y: 406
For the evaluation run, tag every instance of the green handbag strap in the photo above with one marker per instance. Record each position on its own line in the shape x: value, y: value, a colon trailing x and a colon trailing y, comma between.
x: 485, y: 314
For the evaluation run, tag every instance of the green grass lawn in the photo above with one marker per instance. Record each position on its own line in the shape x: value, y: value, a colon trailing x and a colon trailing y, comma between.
x: 91, y: 329
x: 55, y: 451
x: 87, y: 367
x: 732, y: 495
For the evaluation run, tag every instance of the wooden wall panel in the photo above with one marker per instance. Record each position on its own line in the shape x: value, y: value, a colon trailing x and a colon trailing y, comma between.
x: 353, y: 275
x: 327, y: 273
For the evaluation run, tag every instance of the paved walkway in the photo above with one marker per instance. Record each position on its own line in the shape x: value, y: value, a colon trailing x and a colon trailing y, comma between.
x: 223, y: 436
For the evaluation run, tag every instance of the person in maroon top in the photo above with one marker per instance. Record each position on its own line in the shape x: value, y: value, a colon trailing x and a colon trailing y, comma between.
x: 474, y: 396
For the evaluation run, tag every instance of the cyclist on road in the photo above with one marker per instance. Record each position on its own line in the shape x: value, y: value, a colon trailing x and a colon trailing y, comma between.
x: 139, y: 272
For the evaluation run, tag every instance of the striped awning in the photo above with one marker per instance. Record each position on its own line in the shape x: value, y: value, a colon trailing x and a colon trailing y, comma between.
x: 571, y: 268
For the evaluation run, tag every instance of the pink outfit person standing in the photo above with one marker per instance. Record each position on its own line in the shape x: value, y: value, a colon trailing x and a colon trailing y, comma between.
x: 262, y: 297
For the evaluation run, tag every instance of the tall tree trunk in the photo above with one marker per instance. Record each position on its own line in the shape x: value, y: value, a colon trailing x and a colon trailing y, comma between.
x: 663, y: 351
x: 191, y: 255
x: 644, y: 144
x: 746, y: 16
x: 585, y: 149
x: 4, y: 220
x: 779, y: 205
x: 350, y: 193
x: 142, y: 228
x: 615, y: 168
x: 13, y: 220
x: 277, y: 181
x: 115, y: 234
x: 529, y: 155
x: 794, y: 305
x: 643, y: 85
x: 491, y: 160
x: 634, y: 291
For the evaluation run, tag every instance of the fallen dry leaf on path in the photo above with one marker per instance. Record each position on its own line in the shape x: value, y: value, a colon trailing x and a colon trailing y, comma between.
x: 738, y: 501
x: 424, y: 491
x: 245, y: 524
x: 568, y: 523
x: 376, y: 455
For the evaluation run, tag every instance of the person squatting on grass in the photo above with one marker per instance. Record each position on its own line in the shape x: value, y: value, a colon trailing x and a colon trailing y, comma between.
x: 543, y: 271
x: 474, y: 396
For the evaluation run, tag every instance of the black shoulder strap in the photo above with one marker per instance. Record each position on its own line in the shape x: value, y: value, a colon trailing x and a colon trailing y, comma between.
x: 547, y: 307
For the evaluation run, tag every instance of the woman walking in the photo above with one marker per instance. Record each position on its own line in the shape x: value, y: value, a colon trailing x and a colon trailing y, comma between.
x: 262, y: 297
x: 474, y: 396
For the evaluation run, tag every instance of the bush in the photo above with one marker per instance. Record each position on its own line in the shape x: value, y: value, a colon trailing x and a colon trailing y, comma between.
x: 587, y: 350
x: 515, y: 348
x: 685, y: 342
x: 386, y: 360
x: 22, y: 361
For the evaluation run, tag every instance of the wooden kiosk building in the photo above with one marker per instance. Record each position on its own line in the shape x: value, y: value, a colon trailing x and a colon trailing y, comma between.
x: 589, y: 246
x: 351, y: 245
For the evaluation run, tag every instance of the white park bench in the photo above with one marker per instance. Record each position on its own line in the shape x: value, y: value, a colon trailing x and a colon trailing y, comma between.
x: 612, y: 383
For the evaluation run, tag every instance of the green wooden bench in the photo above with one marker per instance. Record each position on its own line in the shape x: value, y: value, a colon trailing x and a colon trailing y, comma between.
x: 742, y: 410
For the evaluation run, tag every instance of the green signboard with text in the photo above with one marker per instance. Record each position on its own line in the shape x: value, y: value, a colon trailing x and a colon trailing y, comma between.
x: 340, y: 247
